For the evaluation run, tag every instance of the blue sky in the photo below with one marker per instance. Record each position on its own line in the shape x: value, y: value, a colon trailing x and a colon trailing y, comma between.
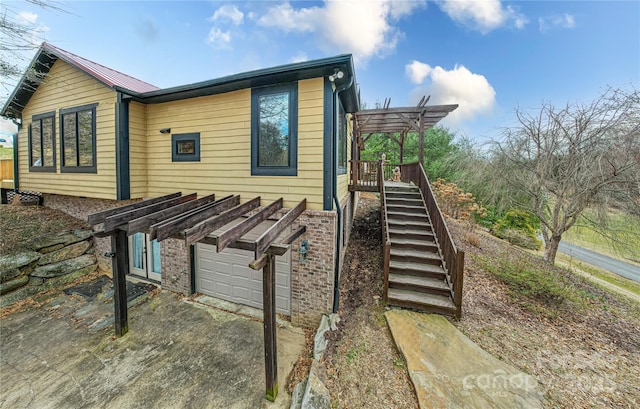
x: 488, y: 56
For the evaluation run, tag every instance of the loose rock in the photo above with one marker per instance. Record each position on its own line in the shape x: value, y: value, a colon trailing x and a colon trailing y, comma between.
x: 13, y: 284
x: 16, y: 261
x: 64, y: 267
x: 65, y: 253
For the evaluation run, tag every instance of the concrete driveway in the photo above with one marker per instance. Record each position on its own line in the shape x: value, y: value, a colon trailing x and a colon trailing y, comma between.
x: 176, y: 355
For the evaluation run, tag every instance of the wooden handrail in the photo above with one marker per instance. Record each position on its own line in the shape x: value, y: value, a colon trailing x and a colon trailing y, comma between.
x: 385, y: 234
x: 453, y: 258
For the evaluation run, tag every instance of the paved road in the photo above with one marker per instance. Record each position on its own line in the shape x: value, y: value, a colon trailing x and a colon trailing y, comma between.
x: 627, y: 270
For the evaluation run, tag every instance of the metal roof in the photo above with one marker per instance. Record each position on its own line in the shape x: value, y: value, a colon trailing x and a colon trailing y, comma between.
x: 106, y: 75
x: 46, y: 56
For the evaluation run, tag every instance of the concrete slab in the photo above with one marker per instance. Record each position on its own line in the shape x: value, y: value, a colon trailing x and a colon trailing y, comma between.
x: 175, y: 355
x: 449, y: 371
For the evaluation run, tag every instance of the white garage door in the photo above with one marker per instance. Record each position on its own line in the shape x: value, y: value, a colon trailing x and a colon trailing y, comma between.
x: 227, y: 275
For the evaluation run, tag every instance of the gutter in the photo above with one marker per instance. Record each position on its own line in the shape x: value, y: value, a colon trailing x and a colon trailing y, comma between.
x: 336, y: 274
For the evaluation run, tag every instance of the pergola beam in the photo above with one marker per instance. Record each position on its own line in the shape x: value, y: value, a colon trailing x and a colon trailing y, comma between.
x: 121, y: 219
x: 245, y: 226
x: 97, y: 218
x: 201, y: 230
x: 264, y: 241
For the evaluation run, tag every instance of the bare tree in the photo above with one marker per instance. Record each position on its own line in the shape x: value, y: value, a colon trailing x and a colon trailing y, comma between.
x: 578, y: 162
x: 18, y: 36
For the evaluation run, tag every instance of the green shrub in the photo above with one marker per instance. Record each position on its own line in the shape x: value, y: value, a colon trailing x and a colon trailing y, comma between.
x: 519, y: 228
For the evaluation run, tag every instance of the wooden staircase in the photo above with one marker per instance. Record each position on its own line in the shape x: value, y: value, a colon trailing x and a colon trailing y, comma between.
x: 416, y: 275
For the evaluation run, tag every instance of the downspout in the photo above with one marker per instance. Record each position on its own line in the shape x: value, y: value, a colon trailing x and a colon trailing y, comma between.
x: 336, y: 283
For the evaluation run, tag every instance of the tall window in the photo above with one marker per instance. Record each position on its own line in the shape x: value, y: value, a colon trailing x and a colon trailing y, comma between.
x: 42, y: 143
x: 274, y: 130
x: 78, y: 139
x: 342, y: 140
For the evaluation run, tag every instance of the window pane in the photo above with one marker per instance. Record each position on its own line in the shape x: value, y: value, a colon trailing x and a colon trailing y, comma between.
x: 273, y: 146
x: 186, y: 147
x: 137, y: 249
x: 36, y: 150
x: 47, y: 141
x: 69, y: 124
x: 156, y: 261
x: 85, y: 127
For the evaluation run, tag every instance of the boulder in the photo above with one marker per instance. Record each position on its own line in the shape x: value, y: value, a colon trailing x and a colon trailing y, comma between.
x: 15, y: 262
x: 65, y: 238
x: 13, y: 284
x: 316, y: 395
x: 328, y: 322
x: 298, y: 394
x: 64, y: 267
x: 65, y: 253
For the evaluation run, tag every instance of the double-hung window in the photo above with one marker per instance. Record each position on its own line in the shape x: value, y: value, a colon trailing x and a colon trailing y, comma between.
x: 78, y: 139
x: 274, y: 130
x: 42, y: 143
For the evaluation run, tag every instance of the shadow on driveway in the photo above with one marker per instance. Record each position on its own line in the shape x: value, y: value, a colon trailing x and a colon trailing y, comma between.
x: 176, y: 355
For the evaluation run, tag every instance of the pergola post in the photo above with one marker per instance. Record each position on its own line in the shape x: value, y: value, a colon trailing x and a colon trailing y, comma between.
x: 120, y: 267
x: 270, y: 342
x: 421, y: 148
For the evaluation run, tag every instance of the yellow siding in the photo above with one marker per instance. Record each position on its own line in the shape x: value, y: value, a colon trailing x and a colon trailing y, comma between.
x: 224, y: 124
x: 343, y: 180
x: 67, y: 87
x: 138, y: 150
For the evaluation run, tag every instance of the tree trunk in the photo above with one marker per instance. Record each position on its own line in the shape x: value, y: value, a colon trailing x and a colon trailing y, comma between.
x: 551, y: 249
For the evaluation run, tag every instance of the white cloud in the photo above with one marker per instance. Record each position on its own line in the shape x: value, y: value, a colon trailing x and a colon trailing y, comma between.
x: 559, y: 21
x: 417, y: 71
x: 228, y: 12
x: 28, y: 17
x: 483, y: 15
x: 364, y: 29
x: 219, y: 38
x: 472, y: 92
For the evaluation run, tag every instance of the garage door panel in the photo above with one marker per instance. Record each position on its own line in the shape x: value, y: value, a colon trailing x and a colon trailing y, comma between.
x: 227, y: 275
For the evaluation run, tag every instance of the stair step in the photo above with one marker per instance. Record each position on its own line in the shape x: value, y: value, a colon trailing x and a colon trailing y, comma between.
x: 416, y: 269
x: 403, y: 208
x: 418, y: 217
x: 422, y: 284
x: 417, y: 244
x: 415, y: 256
x: 410, y: 224
x: 401, y: 189
x: 404, y: 195
x: 410, y: 234
x: 413, y: 201
x: 421, y: 301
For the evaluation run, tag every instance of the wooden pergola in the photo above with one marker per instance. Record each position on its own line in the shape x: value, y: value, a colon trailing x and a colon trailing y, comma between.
x: 392, y: 121
x: 194, y: 220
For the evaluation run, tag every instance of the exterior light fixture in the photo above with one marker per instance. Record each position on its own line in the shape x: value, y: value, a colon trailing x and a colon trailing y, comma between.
x: 337, y: 74
x: 304, y: 249
x: 165, y: 130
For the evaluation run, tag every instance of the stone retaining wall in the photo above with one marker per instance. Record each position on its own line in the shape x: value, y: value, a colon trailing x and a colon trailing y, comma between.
x: 54, y: 260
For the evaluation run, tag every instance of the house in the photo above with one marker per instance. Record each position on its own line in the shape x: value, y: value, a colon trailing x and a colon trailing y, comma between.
x: 92, y: 138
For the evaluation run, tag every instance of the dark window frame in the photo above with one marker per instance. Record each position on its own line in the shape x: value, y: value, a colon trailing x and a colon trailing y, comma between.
x: 185, y: 157
x: 78, y: 168
x: 40, y: 117
x: 342, y: 140
x: 256, y: 93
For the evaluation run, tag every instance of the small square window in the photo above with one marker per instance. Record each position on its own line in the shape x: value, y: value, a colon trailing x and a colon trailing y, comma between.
x: 185, y: 147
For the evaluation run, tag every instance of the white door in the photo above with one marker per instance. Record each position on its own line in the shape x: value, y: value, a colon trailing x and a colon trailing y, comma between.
x: 144, y: 257
x: 227, y: 275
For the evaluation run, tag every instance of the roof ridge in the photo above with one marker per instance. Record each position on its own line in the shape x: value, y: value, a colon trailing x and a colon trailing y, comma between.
x: 53, y: 49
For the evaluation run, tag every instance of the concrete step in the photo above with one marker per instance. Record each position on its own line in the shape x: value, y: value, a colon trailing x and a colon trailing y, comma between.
x: 421, y: 284
x: 416, y: 269
x: 415, y: 256
x: 421, y: 301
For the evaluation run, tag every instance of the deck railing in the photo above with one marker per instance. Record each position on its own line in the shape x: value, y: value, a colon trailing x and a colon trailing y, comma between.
x: 366, y: 175
x: 453, y: 258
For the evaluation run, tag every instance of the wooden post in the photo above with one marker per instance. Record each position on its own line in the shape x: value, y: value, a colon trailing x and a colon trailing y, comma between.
x: 270, y: 342
x: 120, y: 267
x: 421, y: 148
